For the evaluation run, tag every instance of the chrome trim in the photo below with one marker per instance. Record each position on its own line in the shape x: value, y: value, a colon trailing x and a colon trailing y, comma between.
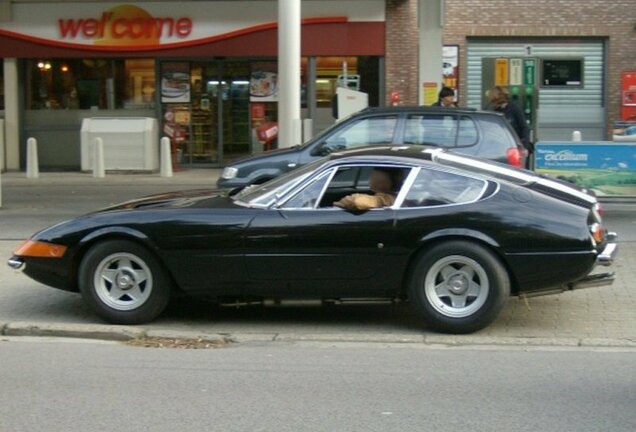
x: 406, y: 187
x: 606, y: 258
x: 611, y: 236
x: 594, y: 280
x: 15, y: 263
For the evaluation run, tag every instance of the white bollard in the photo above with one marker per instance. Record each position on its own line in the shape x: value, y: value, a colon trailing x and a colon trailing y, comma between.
x: 308, y: 129
x: 166, y: 158
x: 33, y: 166
x: 98, y: 159
x: 576, y: 136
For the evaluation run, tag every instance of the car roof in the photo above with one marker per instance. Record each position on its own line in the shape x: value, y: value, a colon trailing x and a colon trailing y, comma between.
x: 418, y: 154
x: 424, y: 109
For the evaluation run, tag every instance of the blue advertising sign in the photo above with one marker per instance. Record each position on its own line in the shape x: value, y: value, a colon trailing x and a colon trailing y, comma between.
x: 607, y: 167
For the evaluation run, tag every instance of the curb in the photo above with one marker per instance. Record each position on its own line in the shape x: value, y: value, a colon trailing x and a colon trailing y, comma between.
x: 127, y: 333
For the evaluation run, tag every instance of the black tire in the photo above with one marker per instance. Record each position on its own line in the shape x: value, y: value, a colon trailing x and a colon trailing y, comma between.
x: 111, y: 264
x: 458, y: 287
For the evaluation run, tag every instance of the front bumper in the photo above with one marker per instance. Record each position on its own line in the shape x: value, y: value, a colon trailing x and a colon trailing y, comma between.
x: 16, y: 263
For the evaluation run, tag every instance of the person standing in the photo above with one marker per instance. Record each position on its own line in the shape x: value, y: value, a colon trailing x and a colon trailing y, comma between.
x: 499, y: 98
x: 446, y: 98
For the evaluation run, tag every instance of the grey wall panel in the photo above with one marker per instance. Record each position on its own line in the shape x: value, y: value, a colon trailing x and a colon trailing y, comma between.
x: 561, y: 110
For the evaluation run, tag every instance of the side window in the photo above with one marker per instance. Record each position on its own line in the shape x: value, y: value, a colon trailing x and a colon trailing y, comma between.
x: 467, y: 135
x: 370, y: 131
x: 309, y: 195
x: 434, y: 129
x: 432, y: 188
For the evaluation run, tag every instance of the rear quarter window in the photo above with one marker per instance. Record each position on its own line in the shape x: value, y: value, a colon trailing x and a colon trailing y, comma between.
x: 434, y: 188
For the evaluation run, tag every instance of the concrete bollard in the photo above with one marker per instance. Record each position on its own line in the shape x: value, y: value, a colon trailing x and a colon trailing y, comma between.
x: 98, y: 159
x: 166, y: 158
x: 576, y: 136
x: 32, y: 165
x: 308, y: 129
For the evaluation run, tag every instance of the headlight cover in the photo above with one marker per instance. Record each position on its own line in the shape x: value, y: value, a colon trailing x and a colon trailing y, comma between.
x: 229, y: 173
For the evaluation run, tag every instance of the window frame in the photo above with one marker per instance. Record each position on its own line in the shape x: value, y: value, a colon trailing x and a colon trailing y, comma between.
x: 419, y: 169
x: 406, y: 185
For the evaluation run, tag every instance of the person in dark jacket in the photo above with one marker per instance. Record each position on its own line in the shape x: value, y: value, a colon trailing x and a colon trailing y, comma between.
x: 500, y: 100
x: 446, y: 98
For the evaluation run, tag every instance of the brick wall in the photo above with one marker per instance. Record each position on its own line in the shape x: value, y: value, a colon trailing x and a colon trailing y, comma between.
x: 613, y: 20
x: 402, y: 50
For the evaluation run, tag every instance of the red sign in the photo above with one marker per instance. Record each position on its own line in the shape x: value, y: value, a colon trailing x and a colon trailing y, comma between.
x: 395, y: 98
x: 123, y: 25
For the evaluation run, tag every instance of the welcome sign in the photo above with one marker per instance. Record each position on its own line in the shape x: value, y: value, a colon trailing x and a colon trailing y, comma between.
x: 122, y: 25
x: 154, y: 25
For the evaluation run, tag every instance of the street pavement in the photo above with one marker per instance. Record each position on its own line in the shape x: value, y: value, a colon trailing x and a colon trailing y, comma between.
x: 53, y: 385
x: 595, y: 316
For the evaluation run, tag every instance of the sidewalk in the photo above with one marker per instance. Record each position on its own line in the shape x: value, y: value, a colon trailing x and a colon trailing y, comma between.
x: 593, y: 317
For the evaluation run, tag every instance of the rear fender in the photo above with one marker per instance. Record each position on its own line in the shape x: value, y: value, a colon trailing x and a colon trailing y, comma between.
x: 460, y: 232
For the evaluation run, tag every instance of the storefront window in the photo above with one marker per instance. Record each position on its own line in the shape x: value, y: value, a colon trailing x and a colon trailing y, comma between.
x: 362, y: 75
x: 90, y: 84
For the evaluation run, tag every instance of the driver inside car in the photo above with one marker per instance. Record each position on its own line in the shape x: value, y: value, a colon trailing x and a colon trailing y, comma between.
x: 383, y: 183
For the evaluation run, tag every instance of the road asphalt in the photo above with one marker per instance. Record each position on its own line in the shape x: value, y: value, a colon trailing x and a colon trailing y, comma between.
x: 53, y: 385
x: 592, y: 317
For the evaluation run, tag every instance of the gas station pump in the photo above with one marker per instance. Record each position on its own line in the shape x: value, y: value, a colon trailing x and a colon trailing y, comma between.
x: 519, y: 75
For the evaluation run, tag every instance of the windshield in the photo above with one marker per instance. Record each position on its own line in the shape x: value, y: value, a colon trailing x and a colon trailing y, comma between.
x: 264, y: 195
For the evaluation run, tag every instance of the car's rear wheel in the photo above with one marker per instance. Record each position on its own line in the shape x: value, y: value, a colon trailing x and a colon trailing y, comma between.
x: 123, y: 282
x: 458, y: 287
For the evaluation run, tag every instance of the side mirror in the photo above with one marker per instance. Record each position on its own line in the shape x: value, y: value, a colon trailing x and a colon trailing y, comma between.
x: 320, y: 150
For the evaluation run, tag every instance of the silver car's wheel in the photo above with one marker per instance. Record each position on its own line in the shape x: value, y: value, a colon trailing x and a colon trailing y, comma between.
x: 456, y: 286
x: 123, y: 281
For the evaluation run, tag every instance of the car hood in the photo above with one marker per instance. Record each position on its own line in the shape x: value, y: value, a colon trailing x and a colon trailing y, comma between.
x: 268, y: 155
x: 199, y: 198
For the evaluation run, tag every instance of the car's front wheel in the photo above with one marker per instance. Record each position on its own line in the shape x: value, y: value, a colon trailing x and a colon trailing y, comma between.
x: 458, y: 287
x: 123, y: 282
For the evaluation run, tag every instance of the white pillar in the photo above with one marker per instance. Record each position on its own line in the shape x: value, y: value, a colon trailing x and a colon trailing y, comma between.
x: 11, y: 114
x: 98, y: 159
x: 165, y: 163
x: 430, y: 50
x: 32, y: 162
x: 288, y: 72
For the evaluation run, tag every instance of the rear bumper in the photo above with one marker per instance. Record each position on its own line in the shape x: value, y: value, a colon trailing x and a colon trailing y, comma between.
x: 606, y: 257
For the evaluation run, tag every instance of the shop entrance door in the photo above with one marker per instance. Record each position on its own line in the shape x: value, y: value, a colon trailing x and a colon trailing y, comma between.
x: 214, y: 123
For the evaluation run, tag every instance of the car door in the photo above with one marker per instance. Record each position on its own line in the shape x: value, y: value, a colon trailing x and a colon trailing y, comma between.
x: 311, y: 248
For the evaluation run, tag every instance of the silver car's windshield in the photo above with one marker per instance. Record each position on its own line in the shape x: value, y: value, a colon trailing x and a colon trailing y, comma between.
x: 265, y: 194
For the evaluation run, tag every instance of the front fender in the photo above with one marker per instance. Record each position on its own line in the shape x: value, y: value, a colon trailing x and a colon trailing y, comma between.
x: 117, y: 231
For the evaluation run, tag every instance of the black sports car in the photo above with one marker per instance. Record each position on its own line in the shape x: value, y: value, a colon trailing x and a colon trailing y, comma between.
x: 458, y: 236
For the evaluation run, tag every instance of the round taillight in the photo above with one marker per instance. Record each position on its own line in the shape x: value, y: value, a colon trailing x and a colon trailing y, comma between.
x: 513, y: 155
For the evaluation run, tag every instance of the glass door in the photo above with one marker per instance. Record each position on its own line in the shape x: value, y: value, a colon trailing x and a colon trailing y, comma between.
x: 236, y: 136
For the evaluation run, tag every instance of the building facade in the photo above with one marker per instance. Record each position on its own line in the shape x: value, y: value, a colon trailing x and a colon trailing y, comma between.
x: 206, y: 70
x: 593, y: 39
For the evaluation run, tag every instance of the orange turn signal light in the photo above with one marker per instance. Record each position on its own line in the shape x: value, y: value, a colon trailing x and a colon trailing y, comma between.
x: 597, y: 232
x: 38, y: 249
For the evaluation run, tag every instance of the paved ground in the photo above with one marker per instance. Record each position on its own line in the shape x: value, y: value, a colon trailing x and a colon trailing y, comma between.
x: 75, y: 386
x: 597, y: 316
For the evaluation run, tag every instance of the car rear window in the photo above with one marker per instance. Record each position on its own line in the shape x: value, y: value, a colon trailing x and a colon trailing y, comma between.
x: 497, y: 138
